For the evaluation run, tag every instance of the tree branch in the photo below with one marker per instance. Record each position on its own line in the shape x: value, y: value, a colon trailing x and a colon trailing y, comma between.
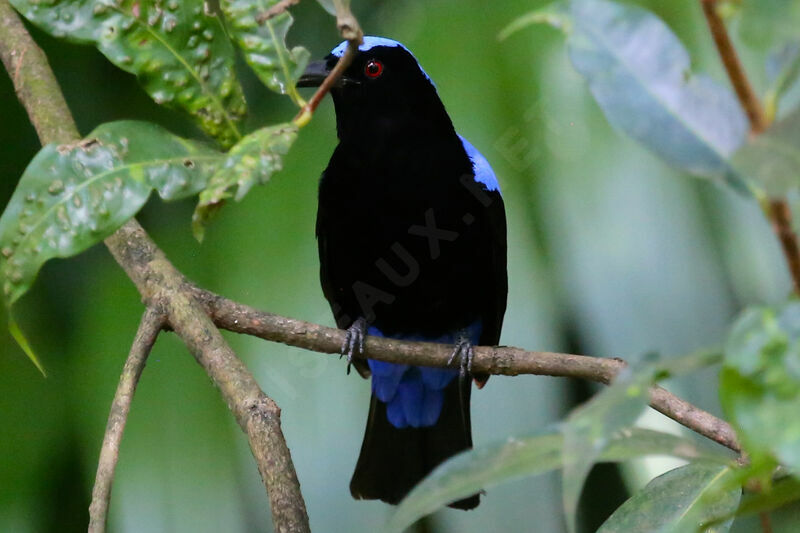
x: 34, y: 82
x: 149, y: 328
x: 163, y: 287
x: 778, y: 209
x: 499, y: 360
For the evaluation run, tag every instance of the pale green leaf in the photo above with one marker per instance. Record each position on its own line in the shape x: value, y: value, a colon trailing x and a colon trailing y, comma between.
x: 760, y: 386
x: 493, y: 464
x: 772, y: 159
x: 177, y: 49
x: 589, y: 429
x: 769, y: 23
x: 679, y: 501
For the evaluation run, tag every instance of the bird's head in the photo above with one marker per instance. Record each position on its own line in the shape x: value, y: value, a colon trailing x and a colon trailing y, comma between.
x: 383, y: 91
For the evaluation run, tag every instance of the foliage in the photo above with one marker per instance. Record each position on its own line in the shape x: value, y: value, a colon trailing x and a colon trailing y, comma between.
x: 648, y: 88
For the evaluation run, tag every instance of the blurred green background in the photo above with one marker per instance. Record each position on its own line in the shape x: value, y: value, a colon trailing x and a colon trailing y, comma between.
x: 611, y: 253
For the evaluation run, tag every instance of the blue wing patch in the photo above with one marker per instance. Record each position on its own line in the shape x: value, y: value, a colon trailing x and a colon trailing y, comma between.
x: 414, y: 394
x: 483, y: 170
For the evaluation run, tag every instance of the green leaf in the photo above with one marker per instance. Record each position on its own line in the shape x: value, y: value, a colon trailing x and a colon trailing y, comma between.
x: 176, y: 48
x: 73, y: 196
x: 783, y: 71
x: 639, y: 73
x: 760, y: 386
x: 679, y: 501
x: 252, y: 161
x: 490, y: 465
x: 263, y: 41
x: 773, y: 158
x: 781, y: 493
x: 769, y: 23
x: 589, y: 429
x: 555, y: 14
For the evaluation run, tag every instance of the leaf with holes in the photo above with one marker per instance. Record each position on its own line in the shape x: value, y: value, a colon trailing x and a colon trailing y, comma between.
x: 252, y: 161
x: 514, y: 458
x: 73, y: 196
x: 176, y: 48
x: 639, y: 73
x: 679, y: 501
x: 261, y: 34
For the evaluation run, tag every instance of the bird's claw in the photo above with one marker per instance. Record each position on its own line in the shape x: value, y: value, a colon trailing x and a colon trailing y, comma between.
x: 465, y: 353
x: 354, y: 341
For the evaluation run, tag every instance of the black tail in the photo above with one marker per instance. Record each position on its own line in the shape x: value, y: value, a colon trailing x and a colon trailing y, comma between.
x: 393, y: 460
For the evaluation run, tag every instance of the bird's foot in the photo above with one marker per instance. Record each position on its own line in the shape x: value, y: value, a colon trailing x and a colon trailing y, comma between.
x: 354, y: 341
x: 465, y: 353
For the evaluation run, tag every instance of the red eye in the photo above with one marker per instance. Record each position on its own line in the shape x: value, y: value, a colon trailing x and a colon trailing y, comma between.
x: 373, y: 68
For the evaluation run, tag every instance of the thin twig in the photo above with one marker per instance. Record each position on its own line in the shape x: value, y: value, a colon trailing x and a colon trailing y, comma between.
x: 275, y: 10
x: 351, y: 31
x: 778, y: 210
x: 736, y: 73
x: 499, y: 360
x: 149, y: 328
x: 160, y: 284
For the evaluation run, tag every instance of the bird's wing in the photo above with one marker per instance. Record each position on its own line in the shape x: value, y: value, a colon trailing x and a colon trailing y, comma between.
x: 497, y: 285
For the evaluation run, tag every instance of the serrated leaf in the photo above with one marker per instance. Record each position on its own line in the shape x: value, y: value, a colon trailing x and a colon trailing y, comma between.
x: 679, y: 501
x: 252, y: 161
x: 639, y: 73
x: 73, y: 196
x: 176, y: 48
x: 263, y: 40
x: 514, y: 458
x: 589, y: 429
x: 555, y: 14
x: 760, y: 386
x: 772, y: 159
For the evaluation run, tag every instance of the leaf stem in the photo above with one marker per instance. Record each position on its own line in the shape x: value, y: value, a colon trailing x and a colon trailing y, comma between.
x: 778, y: 210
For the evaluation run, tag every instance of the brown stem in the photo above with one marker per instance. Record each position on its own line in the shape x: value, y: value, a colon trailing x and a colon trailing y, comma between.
x: 778, y: 210
x: 275, y: 10
x: 736, y: 73
x: 149, y: 328
x: 508, y: 361
x: 162, y: 287
x: 351, y: 31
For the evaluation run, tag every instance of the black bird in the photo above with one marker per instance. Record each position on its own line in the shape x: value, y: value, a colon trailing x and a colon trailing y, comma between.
x: 411, y: 231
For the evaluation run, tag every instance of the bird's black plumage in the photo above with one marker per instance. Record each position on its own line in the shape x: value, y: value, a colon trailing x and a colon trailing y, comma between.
x: 412, y: 238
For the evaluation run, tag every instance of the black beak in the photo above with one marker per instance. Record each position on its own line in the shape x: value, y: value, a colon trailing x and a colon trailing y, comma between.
x: 313, y: 76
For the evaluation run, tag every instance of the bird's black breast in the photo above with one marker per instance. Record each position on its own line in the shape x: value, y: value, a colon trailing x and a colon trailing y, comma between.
x: 407, y: 242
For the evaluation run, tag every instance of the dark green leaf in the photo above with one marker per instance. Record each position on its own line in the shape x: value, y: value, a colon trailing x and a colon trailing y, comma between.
x: 679, y: 501
x: 760, y: 386
x: 73, y: 196
x: 484, y: 467
x: 781, y: 493
x: 263, y: 40
x: 252, y: 161
x: 177, y: 48
x: 773, y: 158
x: 639, y: 73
